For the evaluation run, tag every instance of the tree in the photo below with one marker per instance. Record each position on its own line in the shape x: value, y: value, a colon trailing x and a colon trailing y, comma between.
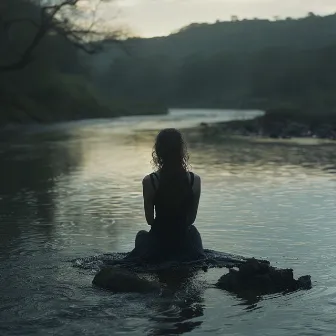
x: 67, y: 18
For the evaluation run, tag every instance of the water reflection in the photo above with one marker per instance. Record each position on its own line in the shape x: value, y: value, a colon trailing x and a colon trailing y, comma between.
x: 181, y: 313
x: 27, y: 196
x: 76, y: 191
x: 244, y: 156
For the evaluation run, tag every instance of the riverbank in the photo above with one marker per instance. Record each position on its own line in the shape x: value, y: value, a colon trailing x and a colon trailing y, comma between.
x: 64, y: 97
x: 27, y: 112
x: 278, y: 124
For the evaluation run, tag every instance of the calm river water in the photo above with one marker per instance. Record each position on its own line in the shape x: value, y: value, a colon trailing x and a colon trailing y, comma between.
x: 74, y: 190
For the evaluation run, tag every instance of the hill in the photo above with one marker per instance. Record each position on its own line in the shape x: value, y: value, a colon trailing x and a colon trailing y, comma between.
x: 240, y: 64
x: 248, y: 63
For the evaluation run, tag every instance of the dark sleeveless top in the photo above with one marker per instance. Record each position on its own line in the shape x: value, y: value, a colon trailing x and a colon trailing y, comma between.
x: 172, y: 202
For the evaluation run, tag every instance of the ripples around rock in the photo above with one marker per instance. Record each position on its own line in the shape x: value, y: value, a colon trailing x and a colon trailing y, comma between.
x: 213, y: 259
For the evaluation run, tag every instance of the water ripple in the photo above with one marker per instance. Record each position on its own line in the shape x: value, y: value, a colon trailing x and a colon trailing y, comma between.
x: 75, y: 191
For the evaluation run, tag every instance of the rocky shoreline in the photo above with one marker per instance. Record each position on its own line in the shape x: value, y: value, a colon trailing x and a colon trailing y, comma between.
x: 278, y: 124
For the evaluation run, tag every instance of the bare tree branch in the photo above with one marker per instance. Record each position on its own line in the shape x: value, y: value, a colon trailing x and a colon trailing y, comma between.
x: 57, y: 18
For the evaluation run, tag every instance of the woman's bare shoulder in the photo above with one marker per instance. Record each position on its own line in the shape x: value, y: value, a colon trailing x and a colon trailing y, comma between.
x: 146, y: 177
x: 197, y: 177
x: 147, y: 184
x: 146, y: 180
x: 197, y: 182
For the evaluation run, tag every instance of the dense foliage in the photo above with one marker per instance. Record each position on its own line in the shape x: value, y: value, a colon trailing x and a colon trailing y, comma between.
x: 43, y: 68
x: 249, y: 63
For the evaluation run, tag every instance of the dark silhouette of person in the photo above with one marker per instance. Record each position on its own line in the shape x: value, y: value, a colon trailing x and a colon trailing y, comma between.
x: 171, y: 197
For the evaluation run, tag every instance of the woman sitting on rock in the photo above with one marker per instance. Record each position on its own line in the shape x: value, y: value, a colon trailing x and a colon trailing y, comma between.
x: 171, y: 197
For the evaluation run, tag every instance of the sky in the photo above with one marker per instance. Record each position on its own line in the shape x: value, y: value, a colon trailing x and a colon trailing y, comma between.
x: 149, y: 18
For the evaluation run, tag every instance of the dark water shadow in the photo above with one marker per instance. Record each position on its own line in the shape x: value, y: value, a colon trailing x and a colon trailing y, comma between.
x: 30, y: 168
x: 251, y: 300
x: 176, y: 315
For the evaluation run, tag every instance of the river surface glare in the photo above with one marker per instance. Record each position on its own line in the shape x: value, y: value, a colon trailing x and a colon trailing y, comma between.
x: 73, y: 190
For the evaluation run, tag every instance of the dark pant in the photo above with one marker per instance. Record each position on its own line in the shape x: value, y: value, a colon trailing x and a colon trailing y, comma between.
x: 150, y: 246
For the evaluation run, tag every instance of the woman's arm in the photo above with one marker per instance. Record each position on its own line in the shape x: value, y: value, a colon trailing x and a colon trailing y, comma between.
x: 148, y: 196
x: 196, y: 199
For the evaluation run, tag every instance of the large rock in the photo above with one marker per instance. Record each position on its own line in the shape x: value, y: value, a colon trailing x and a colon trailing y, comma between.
x: 120, y: 280
x: 259, y: 278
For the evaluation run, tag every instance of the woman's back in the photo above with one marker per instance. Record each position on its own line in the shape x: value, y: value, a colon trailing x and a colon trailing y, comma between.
x: 173, y: 200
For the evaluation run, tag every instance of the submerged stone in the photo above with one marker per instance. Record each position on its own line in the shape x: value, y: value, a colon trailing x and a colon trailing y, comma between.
x: 121, y: 280
x: 260, y: 278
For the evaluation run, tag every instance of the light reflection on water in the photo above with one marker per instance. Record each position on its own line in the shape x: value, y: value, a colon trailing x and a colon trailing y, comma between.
x: 75, y: 191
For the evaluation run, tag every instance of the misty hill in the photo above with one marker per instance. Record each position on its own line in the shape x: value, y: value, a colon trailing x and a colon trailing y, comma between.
x: 251, y: 63
x: 238, y: 36
x: 248, y: 63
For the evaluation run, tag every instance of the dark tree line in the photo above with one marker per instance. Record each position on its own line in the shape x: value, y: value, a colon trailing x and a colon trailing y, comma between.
x: 43, y: 72
x: 45, y: 76
x: 248, y: 63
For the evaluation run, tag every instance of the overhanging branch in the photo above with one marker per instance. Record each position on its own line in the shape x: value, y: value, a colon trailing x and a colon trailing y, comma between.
x: 51, y: 19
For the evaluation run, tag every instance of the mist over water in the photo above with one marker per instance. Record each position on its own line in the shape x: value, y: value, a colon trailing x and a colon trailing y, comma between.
x: 73, y: 190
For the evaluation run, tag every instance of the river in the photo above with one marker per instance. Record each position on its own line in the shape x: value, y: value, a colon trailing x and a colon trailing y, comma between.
x: 73, y: 190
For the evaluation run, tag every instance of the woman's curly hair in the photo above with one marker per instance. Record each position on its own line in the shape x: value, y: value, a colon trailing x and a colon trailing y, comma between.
x: 170, y: 151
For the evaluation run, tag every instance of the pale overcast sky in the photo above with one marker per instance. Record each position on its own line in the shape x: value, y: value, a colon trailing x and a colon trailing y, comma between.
x: 160, y: 17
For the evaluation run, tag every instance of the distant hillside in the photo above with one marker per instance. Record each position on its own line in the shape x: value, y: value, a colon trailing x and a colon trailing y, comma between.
x: 236, y: 36
x: 249, y: 63
x: 242, y: 36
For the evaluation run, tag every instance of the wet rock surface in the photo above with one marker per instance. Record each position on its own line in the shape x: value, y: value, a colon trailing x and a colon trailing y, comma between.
x: 120, y: 280
x: 246, y: 277
x: 260, y: 278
